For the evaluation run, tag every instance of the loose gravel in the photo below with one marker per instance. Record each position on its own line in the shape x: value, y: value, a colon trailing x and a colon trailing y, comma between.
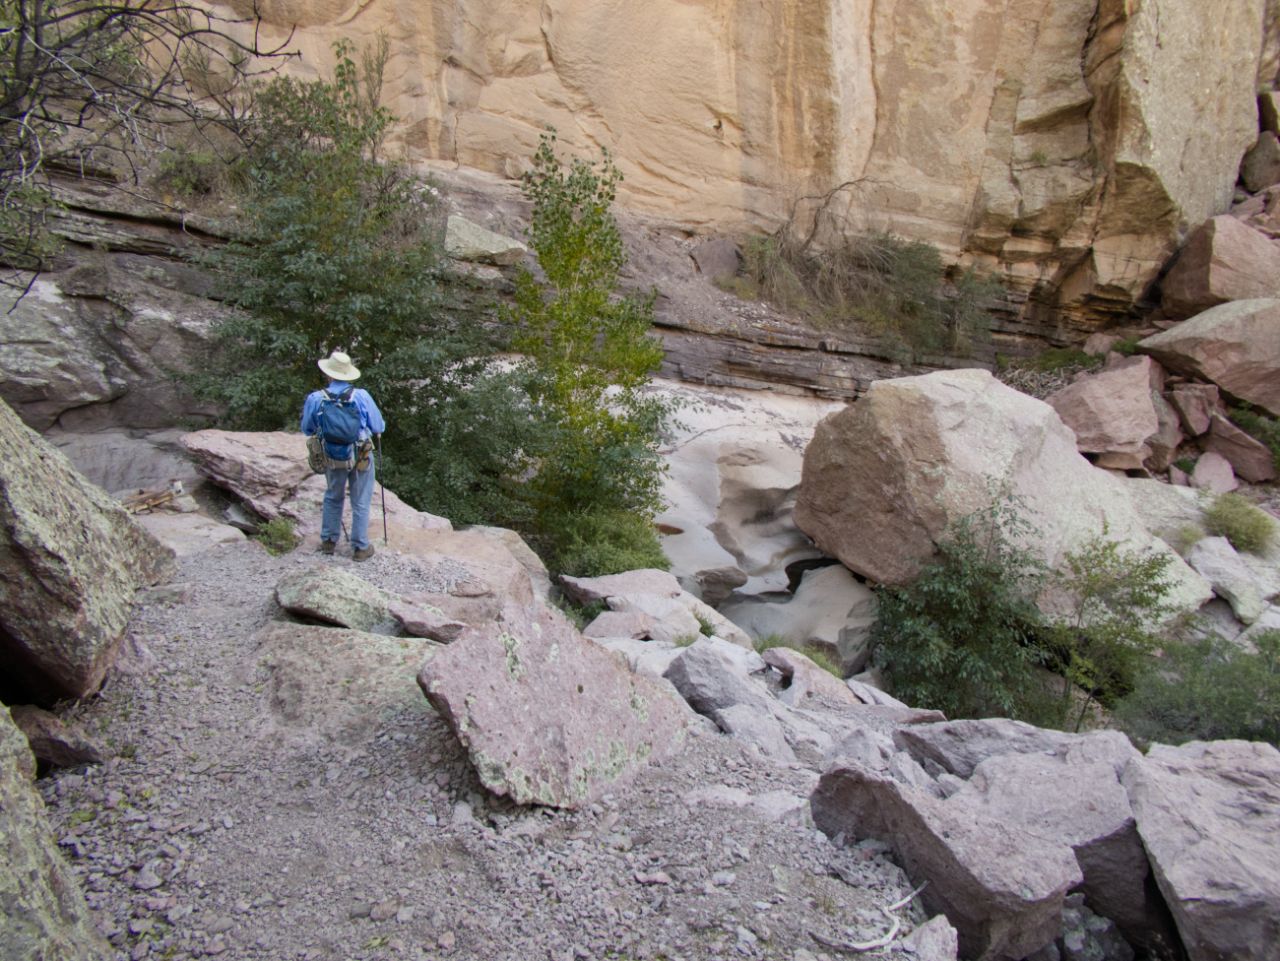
x: 202, y: 838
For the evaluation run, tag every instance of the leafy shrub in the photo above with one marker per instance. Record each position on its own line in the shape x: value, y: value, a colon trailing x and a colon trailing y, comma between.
x: 1185, y: 464
x: 277, y: 536
x: 968, y: 637
x: 1188, y: 536
x: 1247, y: 527
x: 1207, y: 691
x: 962, y: 637
x: 705, y: 626
x: 1264, y: 429
x: 1110, y: 602
x: 818, y: 266
x: 1128, y: 346
x: 1062, y: 358
x: 592, y: 545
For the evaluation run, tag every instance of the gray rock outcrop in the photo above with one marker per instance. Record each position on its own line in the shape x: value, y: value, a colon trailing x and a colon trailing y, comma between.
x: 547, y: 716
x: 464, y: 240
x: 70, y: 562
x: 42, y: 910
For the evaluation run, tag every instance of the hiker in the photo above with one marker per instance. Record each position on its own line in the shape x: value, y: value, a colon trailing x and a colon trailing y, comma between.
x: 344, y: 420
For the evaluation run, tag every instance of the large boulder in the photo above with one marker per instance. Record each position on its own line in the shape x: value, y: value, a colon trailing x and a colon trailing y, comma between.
x: 1112, y: 411
x: 884, y: 479
x: 829, y: 608
x: 70, y: 562
x: 1209, y: 815
x: 322, y: 684
x: 464, y: 240
x: 42, y: 910
x: 1001, y: 886
x: 1235, y: 345
x: 1216, y: 561
x: 1079, y: 802
x: 1249, y: 458
x: 1223, y: 260
x: 547, y: 716
x: 588, y: 590
x: 94, y: 347
x: 958, y: 747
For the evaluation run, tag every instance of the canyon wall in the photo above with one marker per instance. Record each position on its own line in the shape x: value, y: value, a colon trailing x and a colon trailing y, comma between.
x: 1066, y: 144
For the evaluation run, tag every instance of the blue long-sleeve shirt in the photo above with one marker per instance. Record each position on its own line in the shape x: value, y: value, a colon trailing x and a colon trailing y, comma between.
x: 371, y: 421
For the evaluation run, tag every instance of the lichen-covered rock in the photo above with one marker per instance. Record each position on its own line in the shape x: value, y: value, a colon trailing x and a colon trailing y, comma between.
x: 54, y: 741
x: 43, y: 914
x: 326, y: 684
x: 464, y: 240
x: 70, y: 562
x: 547, y: 716
x: 328, y: 594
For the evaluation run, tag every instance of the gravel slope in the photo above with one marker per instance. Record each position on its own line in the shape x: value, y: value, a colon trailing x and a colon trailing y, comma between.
x: 203, y: 837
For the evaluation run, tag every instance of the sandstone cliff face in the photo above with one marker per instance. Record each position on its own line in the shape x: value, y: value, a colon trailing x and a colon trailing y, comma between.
x: 1061, y: 142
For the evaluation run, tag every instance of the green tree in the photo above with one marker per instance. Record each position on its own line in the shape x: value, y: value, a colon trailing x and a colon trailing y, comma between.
x: 591, y: 355
x: 1113, y: 605
x: 962, y: 637
x: 969, y: 636
x: 341, y: 251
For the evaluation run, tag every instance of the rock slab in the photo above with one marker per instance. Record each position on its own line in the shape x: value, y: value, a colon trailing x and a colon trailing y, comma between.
x: 53, y: 741
x: 328, y: 594
x: 547, y: 716
x: 1223, y: 260
x: 70, y: 562
x: 42, y: 910
x: 325, y: 684
x: 1209, y: 815
x: 1001, y: 887
x: 1235, y: 345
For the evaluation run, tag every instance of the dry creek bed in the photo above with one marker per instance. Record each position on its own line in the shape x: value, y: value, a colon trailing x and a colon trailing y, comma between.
x: 203, y: 838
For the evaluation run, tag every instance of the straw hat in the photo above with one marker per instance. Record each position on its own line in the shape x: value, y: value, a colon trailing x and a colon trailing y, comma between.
x: 338, y: 366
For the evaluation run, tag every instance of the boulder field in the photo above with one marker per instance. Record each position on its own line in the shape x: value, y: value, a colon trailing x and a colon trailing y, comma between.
x: 422, y: 750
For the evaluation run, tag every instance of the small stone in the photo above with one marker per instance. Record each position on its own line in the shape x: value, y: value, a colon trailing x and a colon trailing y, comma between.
x: 723, y: 878
x: 404, y: 915
x: 359, y: 910
x: 141, y: 925
x: 657, y: 877
x: 745, y: 936
x: 147, y: 879
x: 216, y: 946
x: 446, y: 941
x: 227, y: 822
x: 221, y: 926
x: 199, y: 828
x: 385, y: 910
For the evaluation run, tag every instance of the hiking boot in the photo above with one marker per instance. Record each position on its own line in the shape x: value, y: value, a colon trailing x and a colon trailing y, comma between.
x: 363, y: 555
x: 326, y: 547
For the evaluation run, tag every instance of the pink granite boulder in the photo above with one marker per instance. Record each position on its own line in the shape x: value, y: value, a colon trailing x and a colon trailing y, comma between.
x: 547, y: 716
x: 1223, y: 260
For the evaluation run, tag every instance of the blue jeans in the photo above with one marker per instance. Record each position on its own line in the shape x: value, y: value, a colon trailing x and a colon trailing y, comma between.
x: 361, y: 483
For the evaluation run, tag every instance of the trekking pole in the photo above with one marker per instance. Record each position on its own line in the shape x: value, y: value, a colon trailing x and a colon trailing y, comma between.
x: 383, y: 485
x: 343, y: 522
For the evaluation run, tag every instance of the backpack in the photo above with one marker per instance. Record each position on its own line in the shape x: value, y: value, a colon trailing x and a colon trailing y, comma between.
x: 339, y: 421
